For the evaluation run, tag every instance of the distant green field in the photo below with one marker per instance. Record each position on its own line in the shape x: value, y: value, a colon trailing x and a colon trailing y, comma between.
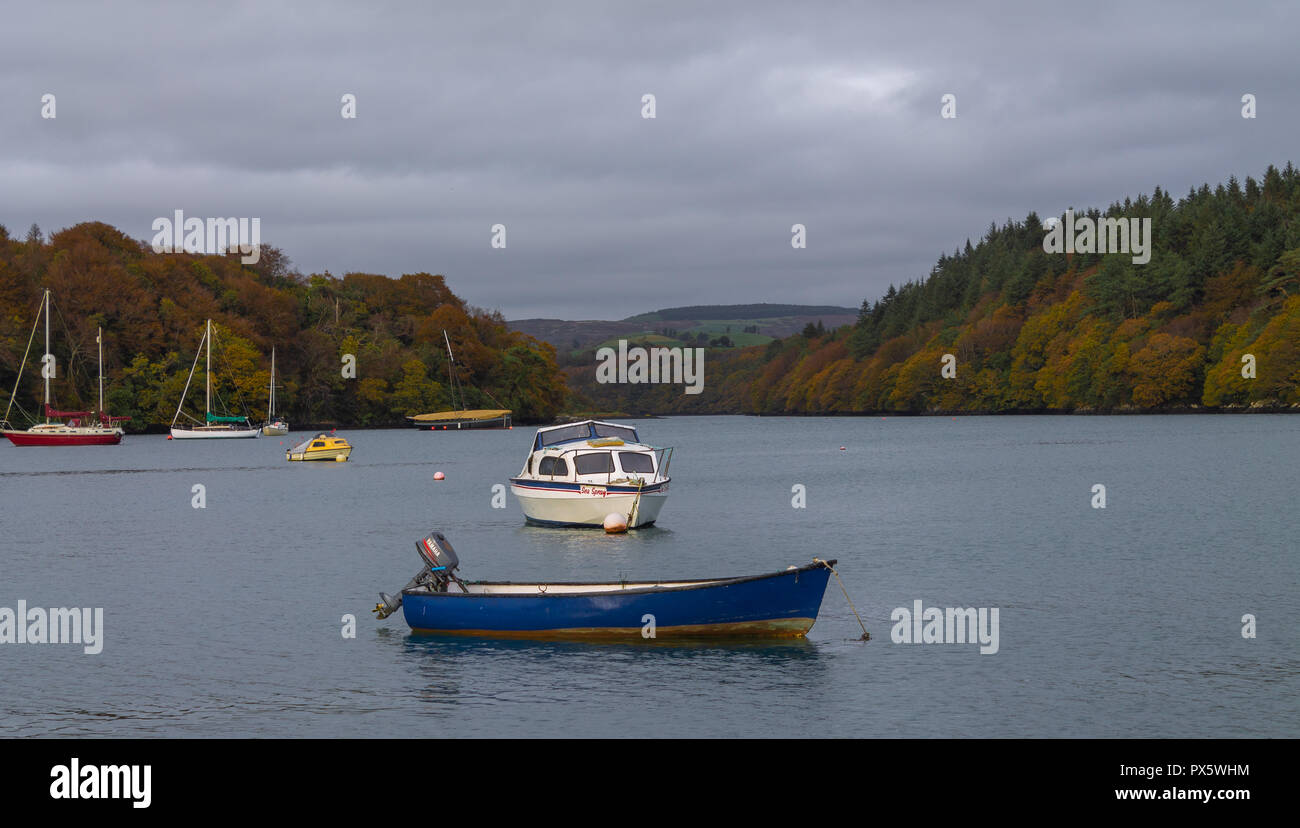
x: 738, y: 338
x: 711, y: 330
x: 719, y: 327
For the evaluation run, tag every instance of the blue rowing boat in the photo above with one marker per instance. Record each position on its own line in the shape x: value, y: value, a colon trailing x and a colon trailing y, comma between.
x: 436, y: 601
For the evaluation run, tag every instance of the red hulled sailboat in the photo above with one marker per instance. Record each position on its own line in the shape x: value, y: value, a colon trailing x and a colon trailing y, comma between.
x: 63, y: 428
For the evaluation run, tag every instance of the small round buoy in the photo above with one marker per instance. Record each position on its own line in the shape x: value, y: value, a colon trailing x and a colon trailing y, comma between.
x: 439, y: 476
x: 169, y: 436
x: 339, y: 458
x: 615, y: 523
x: 842, y: 448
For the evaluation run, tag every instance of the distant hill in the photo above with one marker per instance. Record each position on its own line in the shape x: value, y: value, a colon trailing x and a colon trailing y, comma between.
x: 762, y: 310
x: 764, y: 322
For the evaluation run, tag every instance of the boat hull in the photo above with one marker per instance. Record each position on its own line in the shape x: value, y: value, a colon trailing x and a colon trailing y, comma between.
x: 780, y: 605
x: 463, y: 425
x: 275, y: 431
x: 105, y: 437
x: 334, y: 454
x: 575, y: 504
x: 213, y: 433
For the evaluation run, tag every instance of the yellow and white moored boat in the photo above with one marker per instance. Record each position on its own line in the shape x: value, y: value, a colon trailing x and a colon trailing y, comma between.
x: 321, y: 447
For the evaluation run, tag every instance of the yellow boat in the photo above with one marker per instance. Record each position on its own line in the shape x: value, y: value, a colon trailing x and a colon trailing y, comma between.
x: 458, y: 420
x: 321, y: 447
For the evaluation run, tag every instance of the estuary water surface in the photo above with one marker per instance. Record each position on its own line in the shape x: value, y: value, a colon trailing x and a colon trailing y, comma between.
x: 1122, y: 621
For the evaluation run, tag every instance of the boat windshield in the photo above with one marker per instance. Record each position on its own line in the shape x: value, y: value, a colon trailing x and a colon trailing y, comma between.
x: 605, y: 430
x: 579, y: 431
x: 305, y: 443
x: 584, y: 431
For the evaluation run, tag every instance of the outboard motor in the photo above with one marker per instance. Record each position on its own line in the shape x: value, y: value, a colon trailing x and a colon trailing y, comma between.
x: 437, y: 553
x: 440, y: 570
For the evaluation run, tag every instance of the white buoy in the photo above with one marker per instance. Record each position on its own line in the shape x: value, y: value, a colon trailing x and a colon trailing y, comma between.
x: 615, y: 523
x: 439, y: 476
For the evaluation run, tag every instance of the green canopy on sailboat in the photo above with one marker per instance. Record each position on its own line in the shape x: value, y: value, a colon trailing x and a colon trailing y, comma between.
x: 217, y: 418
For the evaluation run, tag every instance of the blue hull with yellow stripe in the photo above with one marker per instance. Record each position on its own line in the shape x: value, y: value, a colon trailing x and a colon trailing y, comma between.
x: 780, y: 604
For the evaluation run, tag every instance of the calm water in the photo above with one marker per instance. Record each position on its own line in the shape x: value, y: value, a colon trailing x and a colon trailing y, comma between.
x: 225, y: 621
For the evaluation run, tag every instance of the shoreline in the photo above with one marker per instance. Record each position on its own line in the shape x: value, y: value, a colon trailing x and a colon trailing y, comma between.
x: 1050, y: 412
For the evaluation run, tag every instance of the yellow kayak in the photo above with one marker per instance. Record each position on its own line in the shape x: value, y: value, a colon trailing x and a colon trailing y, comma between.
x: 321, y: 447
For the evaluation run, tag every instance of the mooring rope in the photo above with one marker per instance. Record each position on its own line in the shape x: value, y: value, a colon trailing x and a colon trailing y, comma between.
x: 866, y: 636
x: 640, y: 484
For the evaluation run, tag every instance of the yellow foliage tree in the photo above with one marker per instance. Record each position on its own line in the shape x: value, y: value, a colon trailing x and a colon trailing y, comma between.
x: 1166, y: 370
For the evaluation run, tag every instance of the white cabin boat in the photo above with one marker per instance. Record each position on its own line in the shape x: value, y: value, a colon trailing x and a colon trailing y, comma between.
x: 578, y: 473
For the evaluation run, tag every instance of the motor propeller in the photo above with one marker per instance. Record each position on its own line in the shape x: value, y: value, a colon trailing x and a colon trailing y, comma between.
x: 387, y: 605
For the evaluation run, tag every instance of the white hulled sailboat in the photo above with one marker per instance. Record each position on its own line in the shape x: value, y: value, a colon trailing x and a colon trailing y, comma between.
x: 214, y: 426
x: 275, y: 426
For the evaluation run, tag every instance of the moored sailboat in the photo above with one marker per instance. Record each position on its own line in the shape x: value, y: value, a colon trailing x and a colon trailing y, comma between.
x: 275, y: 426
x: 214, y: 426
x: 75, y: 430
x: 463, y: 417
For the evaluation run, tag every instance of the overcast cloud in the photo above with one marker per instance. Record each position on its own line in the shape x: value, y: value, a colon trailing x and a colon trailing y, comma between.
x: 529, y: 115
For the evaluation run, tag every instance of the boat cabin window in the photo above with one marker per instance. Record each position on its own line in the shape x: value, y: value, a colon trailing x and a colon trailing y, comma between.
x: 632, y: 461
x: 628, y: 435
x: 597, y: 462
x: 318, y: 444
x: 554, y: 466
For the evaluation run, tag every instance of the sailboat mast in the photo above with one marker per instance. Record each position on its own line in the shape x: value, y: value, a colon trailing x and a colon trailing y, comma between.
x: 451, y: 378
x: 99, y: 338
x: 270, y: 399
x: 208, y: 373
x: 46, y: 363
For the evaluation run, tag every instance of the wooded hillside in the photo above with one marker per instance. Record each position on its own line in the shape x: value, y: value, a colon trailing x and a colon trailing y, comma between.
x: 1033, y: 331
x: 153, y: 307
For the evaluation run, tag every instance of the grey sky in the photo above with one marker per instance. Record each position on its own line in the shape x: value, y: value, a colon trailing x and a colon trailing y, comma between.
x: 529, y: 115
